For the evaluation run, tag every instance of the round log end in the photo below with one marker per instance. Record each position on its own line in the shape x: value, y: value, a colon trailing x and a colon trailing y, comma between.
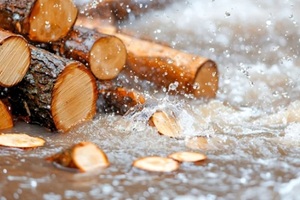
x: 51, y: 20
x: 14, y: 59
x: 74, y: 97
x: 6, y: 120
x: 107, y: 57
x: 206, y: 80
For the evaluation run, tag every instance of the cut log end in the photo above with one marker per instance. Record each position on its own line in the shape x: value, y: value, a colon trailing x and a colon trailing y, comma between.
x: 74, y: 97
x: 14, y: 59
x: 206, y: 80
x: 51, y: 20
x: 107, y: 57
x: 6, y: 120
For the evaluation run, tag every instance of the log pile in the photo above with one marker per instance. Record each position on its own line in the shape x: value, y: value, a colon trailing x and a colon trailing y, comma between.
x: 52, y: 71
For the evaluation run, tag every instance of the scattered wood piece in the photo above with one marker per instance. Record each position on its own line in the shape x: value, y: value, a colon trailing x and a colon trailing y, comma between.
x: 20, y: 140
x: 186, y: 156
x: 84, y: 156
x: 56, y: 93
x: 119, y: 100
x: 156, y: 164
x: 39, y: 20
x: 14, y: 58
x: 175, y: 70
x: 166, y: 124
x: 6, y: 120
x: 104, y: 54
x: 197, y: 143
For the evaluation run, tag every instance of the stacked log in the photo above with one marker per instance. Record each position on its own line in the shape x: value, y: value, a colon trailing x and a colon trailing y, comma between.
x: 38, y: 20
x: 56, y: 93
x: 104, y: 54
x: 56, y: 87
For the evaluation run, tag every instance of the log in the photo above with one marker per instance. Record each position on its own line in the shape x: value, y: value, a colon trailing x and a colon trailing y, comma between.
x: 180, y: 72
x: 56, y: 93
x: 14, y: 58
x: 104, y: 54
x: 119, y: 100
x: 121, y: 10
x: 6, y: 120
x: 84, y: 156
x: 38, y: 20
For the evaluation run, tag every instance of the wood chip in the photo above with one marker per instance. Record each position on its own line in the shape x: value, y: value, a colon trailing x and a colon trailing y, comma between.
x: 187, y: 156
x: 156, y: 164
x: 20, y: 140
x: 88, y: 156
x: 84, y: 156
x: 166, y: 124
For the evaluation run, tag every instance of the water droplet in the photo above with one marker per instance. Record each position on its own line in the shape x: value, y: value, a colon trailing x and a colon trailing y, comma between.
x: 227, y: 14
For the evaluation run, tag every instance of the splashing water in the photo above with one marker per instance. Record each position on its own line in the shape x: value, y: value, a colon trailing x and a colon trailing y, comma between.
x: 252, y: 127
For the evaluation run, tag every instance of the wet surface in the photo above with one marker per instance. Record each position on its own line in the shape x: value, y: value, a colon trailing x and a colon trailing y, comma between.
x: 252, y: 127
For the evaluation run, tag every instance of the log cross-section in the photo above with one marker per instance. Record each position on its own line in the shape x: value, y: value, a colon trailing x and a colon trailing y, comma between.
x: 38, y: 20
x: 104, y: 54
x: 14, y: 58
x: 56, y: 93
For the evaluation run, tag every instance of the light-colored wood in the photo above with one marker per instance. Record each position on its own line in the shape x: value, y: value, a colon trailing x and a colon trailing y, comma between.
x: 38, y: 20
x: 84, y: 156
x: 165, y: 66
x: 56, y: 93
x: 74, y: 97
x: 14, y: 58
x: 156, y: 164
x: 166, y: 124
x: 104, y: 54
x: 20, y: 140
x: 6, y: 120
x: 185, y: 156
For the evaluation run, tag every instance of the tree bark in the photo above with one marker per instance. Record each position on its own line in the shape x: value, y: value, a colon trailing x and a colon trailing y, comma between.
x: 56, y: 93
x: 14, y: 58
x: 121, y: 10
x: 104, y: 54
x: 6, y: 120
x: 119, y: 100
x: 38, y: 20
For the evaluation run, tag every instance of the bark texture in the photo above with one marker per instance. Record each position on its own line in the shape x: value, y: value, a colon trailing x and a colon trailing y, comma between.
x: 36, y: 99
x: 104, y: 54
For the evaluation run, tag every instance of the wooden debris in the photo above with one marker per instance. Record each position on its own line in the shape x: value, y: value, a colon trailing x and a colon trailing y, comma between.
x: 84, y: 156
x: 56, y: 93
x: 20, y: 140
x: 197, y: 143
x: 166, y: 124
x: 119, y: 100
x: 39, y: 20
x: 104, y: 54
x: 156, y: 164
x: 6, y: 120
x: 187, y: 156
x: 14, y: 58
